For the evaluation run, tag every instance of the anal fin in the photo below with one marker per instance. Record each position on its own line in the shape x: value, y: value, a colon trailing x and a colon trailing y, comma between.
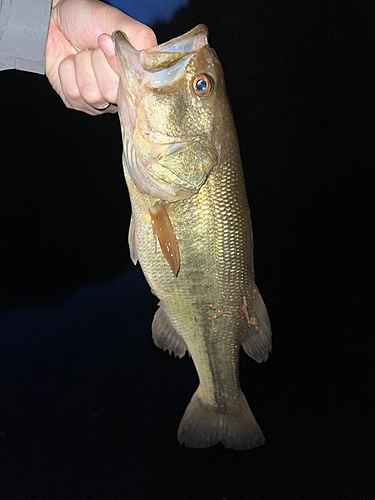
x: 165, y: 336
x: 258, y: 343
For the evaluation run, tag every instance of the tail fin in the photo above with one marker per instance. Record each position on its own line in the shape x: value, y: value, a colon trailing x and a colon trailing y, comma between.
x: 204, y: 425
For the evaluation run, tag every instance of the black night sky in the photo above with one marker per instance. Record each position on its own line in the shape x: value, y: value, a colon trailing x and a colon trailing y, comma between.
x: 89, y: 407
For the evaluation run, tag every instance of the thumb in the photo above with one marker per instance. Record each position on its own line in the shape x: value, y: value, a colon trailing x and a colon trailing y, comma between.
x: 82, y: 22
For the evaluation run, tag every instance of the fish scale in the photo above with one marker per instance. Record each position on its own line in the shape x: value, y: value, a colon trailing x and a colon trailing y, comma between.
x: 209, y: 303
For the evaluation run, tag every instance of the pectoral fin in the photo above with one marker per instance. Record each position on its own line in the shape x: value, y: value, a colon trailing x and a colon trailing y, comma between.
x: 165, y: 336
x: 131, y: 241
x: 257, y: 343
x: 163, y: 229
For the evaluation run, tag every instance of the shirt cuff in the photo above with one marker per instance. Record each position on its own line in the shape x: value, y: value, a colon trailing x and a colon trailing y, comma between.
x: 23, y: 34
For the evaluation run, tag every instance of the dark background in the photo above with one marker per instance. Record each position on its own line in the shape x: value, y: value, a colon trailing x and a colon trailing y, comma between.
x: 89, y: 406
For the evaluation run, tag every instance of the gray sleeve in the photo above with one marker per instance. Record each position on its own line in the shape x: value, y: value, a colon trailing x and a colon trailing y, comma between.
x: 23, y: 34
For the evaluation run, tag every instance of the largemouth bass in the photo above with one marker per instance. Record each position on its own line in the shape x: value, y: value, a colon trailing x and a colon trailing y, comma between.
x: 190, y: 228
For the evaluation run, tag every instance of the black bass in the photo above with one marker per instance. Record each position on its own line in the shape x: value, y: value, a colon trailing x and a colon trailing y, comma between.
x: 190, y: 228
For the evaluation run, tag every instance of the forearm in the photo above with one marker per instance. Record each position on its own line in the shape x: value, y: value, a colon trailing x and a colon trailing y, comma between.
x: 23, y: 34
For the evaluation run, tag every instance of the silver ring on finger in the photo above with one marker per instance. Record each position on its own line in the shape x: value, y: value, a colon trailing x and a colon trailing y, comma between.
x: 103, y: 107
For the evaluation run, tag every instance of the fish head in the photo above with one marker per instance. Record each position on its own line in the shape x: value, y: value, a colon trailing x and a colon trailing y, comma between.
x: 170, y: 102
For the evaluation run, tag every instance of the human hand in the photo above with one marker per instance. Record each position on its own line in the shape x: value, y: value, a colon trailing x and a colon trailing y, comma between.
x: 84, y: 73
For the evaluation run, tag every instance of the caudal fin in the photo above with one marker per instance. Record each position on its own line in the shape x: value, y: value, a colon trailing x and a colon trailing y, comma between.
x: 204, y: 425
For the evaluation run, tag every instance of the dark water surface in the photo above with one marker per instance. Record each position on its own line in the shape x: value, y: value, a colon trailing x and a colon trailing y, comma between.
x: 89, y: 407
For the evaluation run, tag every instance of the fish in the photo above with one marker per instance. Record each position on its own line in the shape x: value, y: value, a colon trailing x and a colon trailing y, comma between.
x: 190, y: 228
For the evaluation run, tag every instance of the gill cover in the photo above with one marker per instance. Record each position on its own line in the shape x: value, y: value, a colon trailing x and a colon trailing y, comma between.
x: 169, y: 149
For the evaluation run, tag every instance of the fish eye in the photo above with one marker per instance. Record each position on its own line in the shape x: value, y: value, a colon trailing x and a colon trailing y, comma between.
x: 202, y: 85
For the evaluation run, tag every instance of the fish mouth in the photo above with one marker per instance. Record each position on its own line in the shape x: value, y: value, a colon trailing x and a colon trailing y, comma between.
x: 162, y: 64
x: 145, y: 146
x: 162, y: 56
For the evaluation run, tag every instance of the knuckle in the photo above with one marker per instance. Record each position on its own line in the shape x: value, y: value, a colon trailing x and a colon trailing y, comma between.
x: 107, y: 79
x: 109, y: 91
x: 89, y: 91
x: 144, y: 36
x: 68, y: 80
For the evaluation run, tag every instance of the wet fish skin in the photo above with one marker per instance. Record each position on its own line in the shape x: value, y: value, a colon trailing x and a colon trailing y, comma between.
x: 191, y: 228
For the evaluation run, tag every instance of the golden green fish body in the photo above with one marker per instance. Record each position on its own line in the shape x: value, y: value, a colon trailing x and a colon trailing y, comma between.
x: 213, y: 236
x: 191, y: 228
